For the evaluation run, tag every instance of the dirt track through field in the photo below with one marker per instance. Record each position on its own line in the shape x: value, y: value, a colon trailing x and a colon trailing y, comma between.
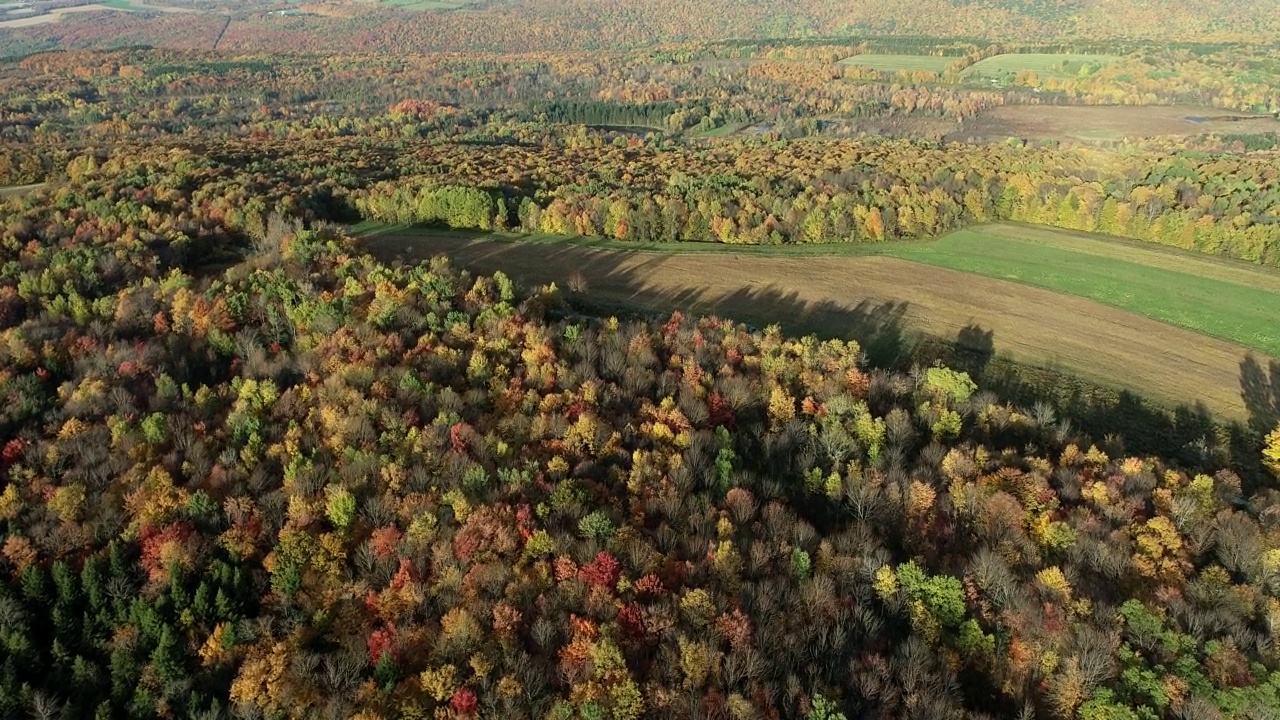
x: 18, y: 190
x: 860, y: 296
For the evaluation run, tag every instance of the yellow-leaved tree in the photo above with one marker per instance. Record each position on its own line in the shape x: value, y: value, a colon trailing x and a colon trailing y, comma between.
x: 1271, y: 452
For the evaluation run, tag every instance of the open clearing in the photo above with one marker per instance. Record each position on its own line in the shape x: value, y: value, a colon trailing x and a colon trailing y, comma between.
x: 1006, y: 67
x: 57, y: 14
x: 1238, y: 303
x: 901, y: 63
x: 52, y: 16
x: 844, y: 295
x: 141, y: 6
x: 1109, y: 122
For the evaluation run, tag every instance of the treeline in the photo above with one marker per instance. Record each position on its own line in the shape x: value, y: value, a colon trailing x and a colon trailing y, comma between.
x: 737, y: 191
x: 865, y: 192
x: 653, y: 115
x: 455, y: 207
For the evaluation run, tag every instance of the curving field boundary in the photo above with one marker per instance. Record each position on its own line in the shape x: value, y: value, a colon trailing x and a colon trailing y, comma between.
x: 836, y: 296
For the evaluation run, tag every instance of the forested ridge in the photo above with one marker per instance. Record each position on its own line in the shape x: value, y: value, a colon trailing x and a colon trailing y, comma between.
x: 592, y: 25
x: 676, y: 89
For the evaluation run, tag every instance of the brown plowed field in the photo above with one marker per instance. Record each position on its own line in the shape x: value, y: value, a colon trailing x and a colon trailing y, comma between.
x: 1107, y: 123
x: 850, y: 296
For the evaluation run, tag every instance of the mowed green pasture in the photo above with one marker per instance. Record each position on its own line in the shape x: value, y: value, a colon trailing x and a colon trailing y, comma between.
x: 1230, y: 301
x: 900, y: 63
x: 1045, y: 65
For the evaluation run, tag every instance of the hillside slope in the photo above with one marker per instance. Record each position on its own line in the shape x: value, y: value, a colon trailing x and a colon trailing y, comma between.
x: 531, y: 25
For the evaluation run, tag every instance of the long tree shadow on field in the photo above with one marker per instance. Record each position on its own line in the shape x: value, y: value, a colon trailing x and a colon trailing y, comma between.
x: 974, y: 349
x: 1260, y: 388
x: 606, y: 286
x: 612, y: 282
x: 878, y: 328
x: 1123, y: 421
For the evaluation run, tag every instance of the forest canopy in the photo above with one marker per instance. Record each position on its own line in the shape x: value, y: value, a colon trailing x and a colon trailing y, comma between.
x: 317, y: 485
x: 248, y: 469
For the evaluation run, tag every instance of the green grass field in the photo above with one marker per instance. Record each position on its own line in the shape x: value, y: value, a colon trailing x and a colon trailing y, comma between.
x: 1046, y: 65
x: 900, y: 63
x: 1229, y: 301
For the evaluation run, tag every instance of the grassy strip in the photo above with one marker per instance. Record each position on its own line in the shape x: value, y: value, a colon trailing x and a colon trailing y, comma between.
x: 1185, y: 297
x: 1230, y: 270
x: 719, y: 132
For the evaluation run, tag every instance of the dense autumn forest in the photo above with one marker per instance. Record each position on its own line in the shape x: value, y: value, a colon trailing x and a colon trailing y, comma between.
x: 314, y: 485
x: 787, y: 89
x: 742, y: 192
x: 627, y: 148
x: 249, y: 470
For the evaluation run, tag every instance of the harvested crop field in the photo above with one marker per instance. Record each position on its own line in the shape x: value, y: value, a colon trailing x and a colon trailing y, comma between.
x: 1107, y: 123
x: 861, y: 296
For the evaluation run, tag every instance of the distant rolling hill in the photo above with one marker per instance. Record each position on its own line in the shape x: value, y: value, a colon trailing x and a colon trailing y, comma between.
x: 399, y: 26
